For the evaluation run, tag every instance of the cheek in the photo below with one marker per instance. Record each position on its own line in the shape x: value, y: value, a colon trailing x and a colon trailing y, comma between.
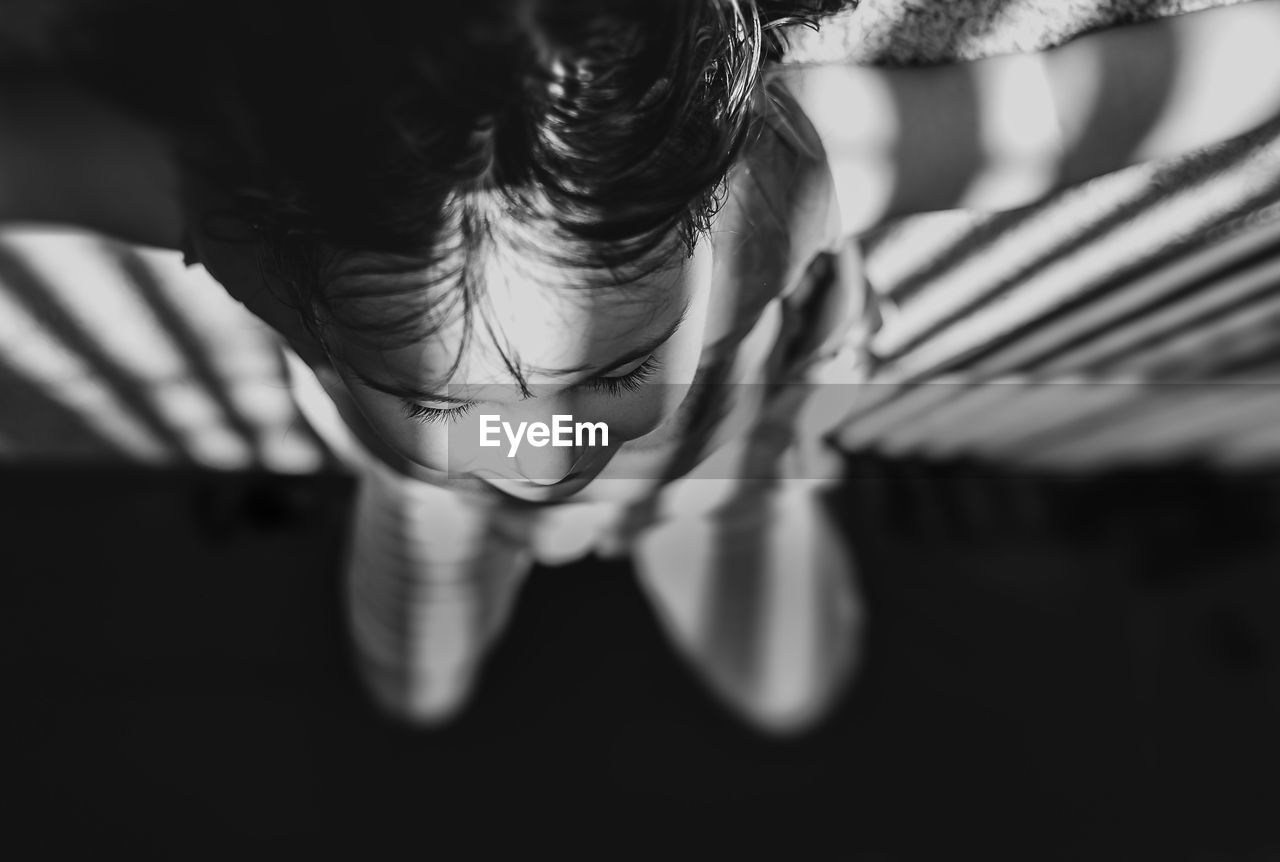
x: 634, y: 414
x: 425, y: 444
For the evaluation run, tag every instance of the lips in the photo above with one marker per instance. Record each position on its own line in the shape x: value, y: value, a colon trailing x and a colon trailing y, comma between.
x: 532, y: 492
x: 497, y: 479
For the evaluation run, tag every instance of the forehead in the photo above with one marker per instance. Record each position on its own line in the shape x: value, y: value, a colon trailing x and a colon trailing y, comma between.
x: 541, y: 323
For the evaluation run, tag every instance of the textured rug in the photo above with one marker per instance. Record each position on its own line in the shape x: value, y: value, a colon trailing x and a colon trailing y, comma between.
x: 915, y: 32
x: 1131, y: 318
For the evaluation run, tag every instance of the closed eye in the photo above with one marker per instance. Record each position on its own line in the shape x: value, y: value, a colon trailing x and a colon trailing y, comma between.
x: 618, y: 385
x: 629, y: 382
x: 434, y: 415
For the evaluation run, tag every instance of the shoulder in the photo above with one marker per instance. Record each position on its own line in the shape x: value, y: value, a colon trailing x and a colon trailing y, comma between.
x: 70, y: 151
x: 781, y: 194
x: 28, y: 34
x: 69, y: 157
x: 778, y: 214
x: 56, y: 36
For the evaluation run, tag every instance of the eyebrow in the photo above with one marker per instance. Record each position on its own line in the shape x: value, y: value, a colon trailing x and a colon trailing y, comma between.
x: 411, y: 393
x: 645, y: 348
x: 405, y: 391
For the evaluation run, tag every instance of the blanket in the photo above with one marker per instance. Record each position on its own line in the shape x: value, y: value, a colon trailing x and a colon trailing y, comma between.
x: 918, y: 32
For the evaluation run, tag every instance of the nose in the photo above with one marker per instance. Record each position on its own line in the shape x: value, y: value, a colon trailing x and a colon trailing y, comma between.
x: 539, y: 443
x: 545, y: 458
x: 545, y: 465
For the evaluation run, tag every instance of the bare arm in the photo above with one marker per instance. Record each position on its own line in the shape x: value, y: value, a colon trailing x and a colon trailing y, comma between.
x: 1003, y: 132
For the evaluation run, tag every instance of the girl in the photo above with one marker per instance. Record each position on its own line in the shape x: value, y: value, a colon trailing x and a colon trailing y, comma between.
x: 633, y: 214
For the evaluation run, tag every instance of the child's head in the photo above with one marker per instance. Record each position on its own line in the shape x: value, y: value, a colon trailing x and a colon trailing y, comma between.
x: 413, y: 172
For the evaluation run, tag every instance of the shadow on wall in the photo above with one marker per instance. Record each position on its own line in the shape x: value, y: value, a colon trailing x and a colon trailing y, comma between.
x: 111, y: 353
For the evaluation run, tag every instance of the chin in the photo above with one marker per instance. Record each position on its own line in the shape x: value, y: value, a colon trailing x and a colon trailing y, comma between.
x: 532, y: 492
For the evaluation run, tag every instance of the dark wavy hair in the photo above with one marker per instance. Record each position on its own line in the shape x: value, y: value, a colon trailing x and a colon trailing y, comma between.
x: 377, y: 150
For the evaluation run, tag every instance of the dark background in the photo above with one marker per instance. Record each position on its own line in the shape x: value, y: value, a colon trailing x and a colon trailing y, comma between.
x: 1056, y: 668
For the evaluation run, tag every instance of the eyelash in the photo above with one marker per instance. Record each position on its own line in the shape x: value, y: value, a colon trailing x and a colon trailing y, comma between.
x: 614, y: 386
x: 434, y: 415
